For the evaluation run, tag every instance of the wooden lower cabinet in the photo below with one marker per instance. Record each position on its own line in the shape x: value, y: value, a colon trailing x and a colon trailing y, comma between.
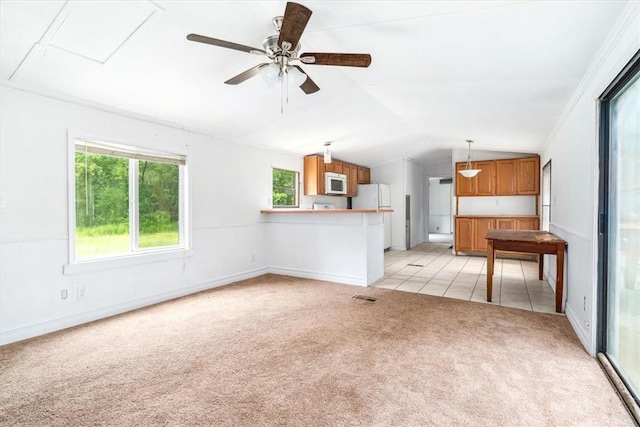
x: 464, y: 234
x: 471, y: 230
x: 480, y: 228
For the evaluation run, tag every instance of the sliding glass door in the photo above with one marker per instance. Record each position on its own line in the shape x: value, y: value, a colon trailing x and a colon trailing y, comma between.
x: 620, y: 226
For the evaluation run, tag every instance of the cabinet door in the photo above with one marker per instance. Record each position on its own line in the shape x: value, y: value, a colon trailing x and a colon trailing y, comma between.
x: 528, y: 223
x: 464, y: 233
x: 352, y: 179
x: 480, y: 228
x: 485, y: 178
x: 335, y: 166
x: 506, y: 180
x: 313, y: 175
x: 364, y: 175
x: 464, y: 186
x: 505, y: 223
x: 529, y: 175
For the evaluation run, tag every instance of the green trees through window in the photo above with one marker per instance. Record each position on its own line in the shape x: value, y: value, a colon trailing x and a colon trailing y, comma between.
x: 123, y: 204
x: 285, y: 188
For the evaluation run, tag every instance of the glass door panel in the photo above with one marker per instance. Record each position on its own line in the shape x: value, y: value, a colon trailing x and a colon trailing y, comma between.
x: 622, y: 276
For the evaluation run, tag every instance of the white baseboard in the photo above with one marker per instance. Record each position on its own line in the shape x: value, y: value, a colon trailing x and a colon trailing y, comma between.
x: 348, y: 280
x: 54, y: 325
x: 580, y: 332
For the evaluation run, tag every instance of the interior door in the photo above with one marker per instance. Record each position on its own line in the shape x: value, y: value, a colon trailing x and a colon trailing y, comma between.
x: 619, y: 226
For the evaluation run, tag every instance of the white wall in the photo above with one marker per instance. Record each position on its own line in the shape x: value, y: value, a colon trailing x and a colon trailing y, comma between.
x: 230, y: 183
x: 573, y: 147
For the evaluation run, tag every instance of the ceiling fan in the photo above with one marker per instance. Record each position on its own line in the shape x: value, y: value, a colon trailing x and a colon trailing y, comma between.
x: 282, y: 49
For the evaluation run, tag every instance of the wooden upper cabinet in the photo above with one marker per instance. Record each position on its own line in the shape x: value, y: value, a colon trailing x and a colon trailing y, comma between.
x: 528, y: 173
x: 364, y: 175
x: 464, y: 186
x: 506, y: 177
x: 335, y: 166
x: 313, y: 175
x: 485, y: 178
x: 352, y: 179
x: 315, y: 168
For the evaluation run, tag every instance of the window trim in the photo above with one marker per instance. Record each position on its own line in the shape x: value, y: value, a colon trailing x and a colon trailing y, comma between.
x: 144, y: 255
x: 296, y: 189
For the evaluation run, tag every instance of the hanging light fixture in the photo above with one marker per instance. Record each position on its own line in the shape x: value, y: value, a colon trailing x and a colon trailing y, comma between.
x: 468, y: 172
x: 327, y: 153
x: 283, y: 73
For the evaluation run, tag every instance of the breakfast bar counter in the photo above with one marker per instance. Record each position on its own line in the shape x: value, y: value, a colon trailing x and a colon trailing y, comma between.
x: 323, y: 211
x: 337, y: 245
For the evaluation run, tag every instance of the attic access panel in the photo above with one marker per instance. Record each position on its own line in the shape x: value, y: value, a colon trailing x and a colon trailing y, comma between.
x: 95, y: 30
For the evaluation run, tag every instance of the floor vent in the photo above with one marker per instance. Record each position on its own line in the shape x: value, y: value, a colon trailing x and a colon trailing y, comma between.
x: 415, y: 265
x: 365, y: 298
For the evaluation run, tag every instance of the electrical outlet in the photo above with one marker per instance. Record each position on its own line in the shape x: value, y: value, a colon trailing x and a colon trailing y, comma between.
x: 586, y: 324
x: 64, y: 294
x: 253, y: 257
x: 82, y: 294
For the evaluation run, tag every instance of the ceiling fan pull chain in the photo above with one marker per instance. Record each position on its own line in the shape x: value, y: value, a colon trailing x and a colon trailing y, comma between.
x: 282, y: 83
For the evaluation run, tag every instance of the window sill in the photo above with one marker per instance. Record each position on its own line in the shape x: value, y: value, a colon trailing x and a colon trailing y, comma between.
x: 124, y: 261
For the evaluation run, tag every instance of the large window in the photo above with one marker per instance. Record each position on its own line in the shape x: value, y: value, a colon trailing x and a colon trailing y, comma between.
x: 127, y: 200
x: 285, y: 188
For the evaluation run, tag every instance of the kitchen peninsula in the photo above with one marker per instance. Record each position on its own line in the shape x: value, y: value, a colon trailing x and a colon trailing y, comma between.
x: 337, y: 245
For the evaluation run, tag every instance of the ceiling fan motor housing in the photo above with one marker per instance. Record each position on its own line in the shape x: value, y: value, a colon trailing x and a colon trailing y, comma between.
x: 270, y: 45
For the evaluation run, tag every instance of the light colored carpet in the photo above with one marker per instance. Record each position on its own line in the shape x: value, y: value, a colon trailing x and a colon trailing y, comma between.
x: 277, y: 350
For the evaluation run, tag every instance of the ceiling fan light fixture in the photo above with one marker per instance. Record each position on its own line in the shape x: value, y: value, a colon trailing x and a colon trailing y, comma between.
x: 296, y: 76
x: 468, y: 172
x: 271, y: 74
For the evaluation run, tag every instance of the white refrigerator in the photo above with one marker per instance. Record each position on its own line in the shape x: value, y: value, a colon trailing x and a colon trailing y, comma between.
x: 375, y: 196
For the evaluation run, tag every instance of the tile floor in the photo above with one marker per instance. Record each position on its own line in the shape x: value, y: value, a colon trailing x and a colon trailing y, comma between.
x: 431, y: 268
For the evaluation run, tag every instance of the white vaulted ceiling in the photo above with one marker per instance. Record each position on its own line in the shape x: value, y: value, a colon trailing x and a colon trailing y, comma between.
x: 498, y: 72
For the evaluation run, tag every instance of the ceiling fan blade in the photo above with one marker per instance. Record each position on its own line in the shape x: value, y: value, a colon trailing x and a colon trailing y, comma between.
x: 309, y: 85
x: 246, y: 75
x: 224, y: 43
x: 342, y: 59
x: 295, y: 20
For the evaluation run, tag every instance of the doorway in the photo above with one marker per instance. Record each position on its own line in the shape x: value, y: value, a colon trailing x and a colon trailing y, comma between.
x: 440, y: 219
x: 619, y: 226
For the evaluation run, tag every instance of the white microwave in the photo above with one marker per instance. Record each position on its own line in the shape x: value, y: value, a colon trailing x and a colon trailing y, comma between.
x: 335, y: 183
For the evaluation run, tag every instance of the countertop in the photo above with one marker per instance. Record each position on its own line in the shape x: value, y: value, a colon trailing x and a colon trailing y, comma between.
x: 323, y: 211
x: 496, y: 216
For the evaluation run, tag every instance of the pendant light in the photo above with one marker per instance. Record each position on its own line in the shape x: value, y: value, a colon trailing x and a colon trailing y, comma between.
x: 327, y: 153
x: 468, y: 172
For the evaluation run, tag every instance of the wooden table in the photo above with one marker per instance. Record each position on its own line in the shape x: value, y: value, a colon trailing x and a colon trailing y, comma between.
x: 530, y: 241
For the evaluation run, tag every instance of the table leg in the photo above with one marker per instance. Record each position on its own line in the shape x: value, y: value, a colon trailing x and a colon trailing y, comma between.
x: 540, y: 266
x: 490, y: 260
x: 559, y: 276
